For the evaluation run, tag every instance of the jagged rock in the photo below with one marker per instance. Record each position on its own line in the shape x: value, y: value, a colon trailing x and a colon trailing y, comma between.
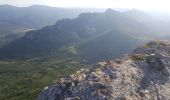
x: 156, y: 62
x: 142, y: 75
x: 118, y: 61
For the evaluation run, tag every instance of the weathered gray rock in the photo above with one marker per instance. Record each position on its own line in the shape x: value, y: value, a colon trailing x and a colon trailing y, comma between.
x: 143, y: 75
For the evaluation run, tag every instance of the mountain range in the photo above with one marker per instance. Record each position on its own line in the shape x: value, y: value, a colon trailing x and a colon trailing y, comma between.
x: 90, y: 36
x: 39, y: 44
x: 15, y: 20
x: 69, y: 31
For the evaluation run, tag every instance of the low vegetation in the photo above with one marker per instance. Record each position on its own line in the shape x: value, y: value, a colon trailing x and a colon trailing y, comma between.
x: 23, y: 80
x: 137, y: 57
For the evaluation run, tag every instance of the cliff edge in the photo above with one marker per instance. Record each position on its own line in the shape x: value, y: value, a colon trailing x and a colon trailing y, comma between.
x: 142, y: 75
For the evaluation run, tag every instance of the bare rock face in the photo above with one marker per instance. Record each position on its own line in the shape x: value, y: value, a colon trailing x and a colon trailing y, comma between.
x: 142, y: 75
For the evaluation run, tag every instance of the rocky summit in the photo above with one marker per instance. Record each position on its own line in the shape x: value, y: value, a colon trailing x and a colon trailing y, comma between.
x: 142, y: 75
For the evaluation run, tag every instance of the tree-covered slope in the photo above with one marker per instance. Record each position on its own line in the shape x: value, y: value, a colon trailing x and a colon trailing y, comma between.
x: 72, y: 32
x: 14, y: 20
x: 109, y: 46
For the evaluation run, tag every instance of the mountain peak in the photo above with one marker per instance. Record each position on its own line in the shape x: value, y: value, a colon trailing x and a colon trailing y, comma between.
x: 109, y: 10
x: 135, y: 11
x: 144, y: 74
x: 138, y: 14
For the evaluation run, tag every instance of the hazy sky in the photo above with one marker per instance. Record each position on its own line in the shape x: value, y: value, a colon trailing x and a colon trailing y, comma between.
x: 162, y: 5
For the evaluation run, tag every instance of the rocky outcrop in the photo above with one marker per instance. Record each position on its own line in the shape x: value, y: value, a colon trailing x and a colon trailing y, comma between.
x: 142, y: 75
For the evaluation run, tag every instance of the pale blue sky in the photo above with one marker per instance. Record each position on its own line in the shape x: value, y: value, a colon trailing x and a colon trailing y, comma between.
x: 162, y: 5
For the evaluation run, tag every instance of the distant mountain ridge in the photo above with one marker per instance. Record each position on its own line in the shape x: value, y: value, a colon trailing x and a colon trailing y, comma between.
x: 37, y: 16
x: 52, y: 40
x: 119, y: 31
x: 15, y: 21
